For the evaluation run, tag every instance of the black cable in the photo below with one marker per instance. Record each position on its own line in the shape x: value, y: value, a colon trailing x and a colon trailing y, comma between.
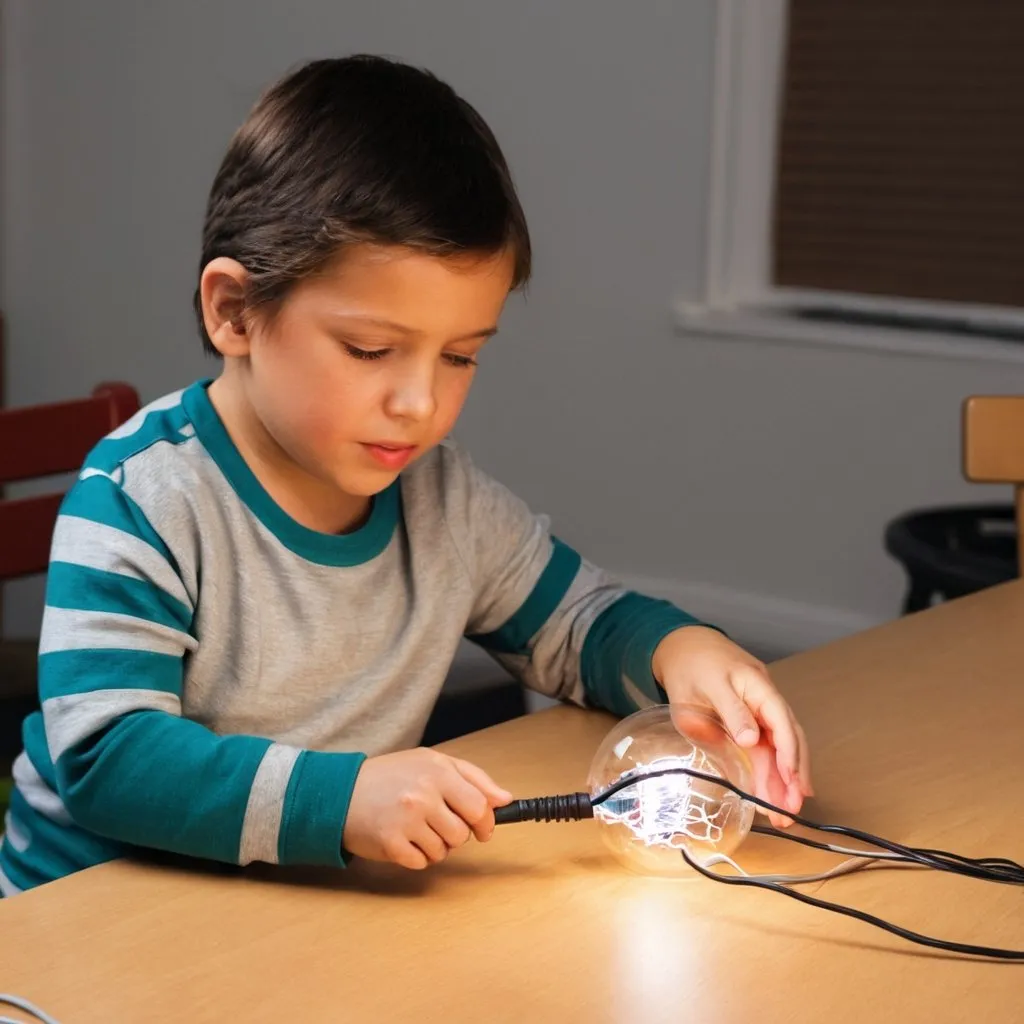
x: 778, y: 833
x: 860, y: 915
x: 993, y: 861
x: 576, y: 806
x: 567, y: 807
x: 1008, y: 872
x: 997, y: 863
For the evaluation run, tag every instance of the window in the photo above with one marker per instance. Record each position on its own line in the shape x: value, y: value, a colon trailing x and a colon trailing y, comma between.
x: 868, y: 165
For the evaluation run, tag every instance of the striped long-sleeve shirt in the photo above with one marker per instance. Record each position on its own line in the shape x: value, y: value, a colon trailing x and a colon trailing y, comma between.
x: 212, y: 673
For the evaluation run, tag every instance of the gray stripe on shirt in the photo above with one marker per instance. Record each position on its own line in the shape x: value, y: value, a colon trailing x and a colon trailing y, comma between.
x: 7, y: 887
x: 72, y: 717
x: 69, y: 629
x: 36, y: 792
x: 553, y: 667
x: 635, y: 694
x: 178, y: 513
x: 262, y: 825
x: 14, y: 835
x: 135, y: 423
x: 98, y: 546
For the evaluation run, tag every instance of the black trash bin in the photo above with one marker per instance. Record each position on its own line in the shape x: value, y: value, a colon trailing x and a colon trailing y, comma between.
x: 951, y: 552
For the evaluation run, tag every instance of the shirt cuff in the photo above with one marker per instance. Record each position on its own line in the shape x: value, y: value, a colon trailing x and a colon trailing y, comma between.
x: 620, y: 646
x: 315, y: 808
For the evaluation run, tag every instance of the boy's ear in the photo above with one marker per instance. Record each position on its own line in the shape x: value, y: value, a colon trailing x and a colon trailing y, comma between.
x: 222, y: 293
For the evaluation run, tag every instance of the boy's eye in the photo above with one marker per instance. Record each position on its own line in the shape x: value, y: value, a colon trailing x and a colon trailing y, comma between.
x: 461, y: 361
x: 454, y: 359
x: 365, y: 353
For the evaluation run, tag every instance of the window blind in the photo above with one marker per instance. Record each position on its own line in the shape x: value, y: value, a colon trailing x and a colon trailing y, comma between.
x: 900, y: 164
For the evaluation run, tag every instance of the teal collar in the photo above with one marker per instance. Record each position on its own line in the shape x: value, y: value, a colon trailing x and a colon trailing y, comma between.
x: 354, y: 548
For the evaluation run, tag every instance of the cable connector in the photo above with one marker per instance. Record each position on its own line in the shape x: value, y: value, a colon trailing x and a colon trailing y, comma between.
x: 566, y: 807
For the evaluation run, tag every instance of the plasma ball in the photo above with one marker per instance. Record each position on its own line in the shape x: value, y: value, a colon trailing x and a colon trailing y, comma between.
x: 673, y: 810
x: 650, y: 821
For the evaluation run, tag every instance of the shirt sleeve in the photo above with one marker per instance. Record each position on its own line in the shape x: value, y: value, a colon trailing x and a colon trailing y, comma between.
x: 561, y: 625
x: 117, y: 628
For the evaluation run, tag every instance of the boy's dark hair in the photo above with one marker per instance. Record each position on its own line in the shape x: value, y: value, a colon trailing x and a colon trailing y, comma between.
x: 358, y: 149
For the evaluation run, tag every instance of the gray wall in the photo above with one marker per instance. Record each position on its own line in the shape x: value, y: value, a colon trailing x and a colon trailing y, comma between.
x: 763, y: 471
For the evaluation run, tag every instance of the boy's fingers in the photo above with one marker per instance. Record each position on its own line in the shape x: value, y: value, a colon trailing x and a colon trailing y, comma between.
x: 472, y: 804
x: 768, y: 785
x: 483, y: 829
x: 429, y: 843
x: 739, y: 721
x: 496, y: 796
x: 450, y: 826
x: 407, y: 855
x: 696, y: 725
x: 766, y: 702
x: 804, y: 768
x: 465, y: 799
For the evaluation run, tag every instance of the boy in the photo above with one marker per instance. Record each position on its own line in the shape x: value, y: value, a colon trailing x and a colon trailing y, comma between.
x: 257, y: 585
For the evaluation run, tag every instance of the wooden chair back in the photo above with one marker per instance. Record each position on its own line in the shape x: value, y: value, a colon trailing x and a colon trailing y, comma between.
x: 993, y: 448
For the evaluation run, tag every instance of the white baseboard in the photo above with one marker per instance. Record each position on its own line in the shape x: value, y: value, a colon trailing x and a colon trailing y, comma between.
x: 770, y: 627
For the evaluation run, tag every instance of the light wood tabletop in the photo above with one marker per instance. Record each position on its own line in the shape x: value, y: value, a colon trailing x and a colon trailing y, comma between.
x: 917, y: 732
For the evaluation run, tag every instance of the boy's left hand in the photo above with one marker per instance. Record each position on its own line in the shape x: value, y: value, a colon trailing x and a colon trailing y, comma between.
x: 698, y: 665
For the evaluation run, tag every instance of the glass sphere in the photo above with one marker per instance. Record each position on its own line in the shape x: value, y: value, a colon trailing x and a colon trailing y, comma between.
x: 647, y: 823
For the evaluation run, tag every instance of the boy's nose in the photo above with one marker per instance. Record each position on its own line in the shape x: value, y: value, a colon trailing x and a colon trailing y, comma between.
x: 413, y: 398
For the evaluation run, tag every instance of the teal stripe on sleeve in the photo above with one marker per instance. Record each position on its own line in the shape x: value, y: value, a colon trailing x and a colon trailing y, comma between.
x: 53, y: 850
x: 621, y: 643
x: 515, y: 635
x: 100, y: 500
x: 87, y: 670
x: 15, y: 870
x: 33, y: 738
x: 96, y: 590
x: 315, y: 808
x: 156, y: 780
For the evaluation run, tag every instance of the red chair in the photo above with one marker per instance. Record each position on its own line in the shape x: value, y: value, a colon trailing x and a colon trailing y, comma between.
x: 37, y: 442
x: 41, y: 441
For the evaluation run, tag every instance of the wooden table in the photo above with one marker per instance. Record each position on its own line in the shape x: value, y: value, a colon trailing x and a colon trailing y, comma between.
x: 917, y: 734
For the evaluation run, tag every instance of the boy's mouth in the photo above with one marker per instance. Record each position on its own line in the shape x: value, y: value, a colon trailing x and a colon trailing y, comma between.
x: 394, y: 456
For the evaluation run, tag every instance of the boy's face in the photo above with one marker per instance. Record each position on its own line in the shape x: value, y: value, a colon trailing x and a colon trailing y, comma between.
x: 365, y: 367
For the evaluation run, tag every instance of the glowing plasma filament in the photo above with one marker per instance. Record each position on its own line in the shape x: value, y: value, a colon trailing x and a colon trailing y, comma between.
x: 673, y: 810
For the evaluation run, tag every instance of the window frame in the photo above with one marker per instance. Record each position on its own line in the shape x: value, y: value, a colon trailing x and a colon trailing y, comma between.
x: 738, y: 298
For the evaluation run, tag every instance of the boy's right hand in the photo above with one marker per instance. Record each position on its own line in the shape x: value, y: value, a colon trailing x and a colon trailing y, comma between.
x: 414, y: 806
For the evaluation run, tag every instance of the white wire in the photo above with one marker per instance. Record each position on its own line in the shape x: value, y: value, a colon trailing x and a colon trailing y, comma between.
x: 841, y: 869
x: 858, y: 859
x: 873, y: 855
x: 23, y: 1004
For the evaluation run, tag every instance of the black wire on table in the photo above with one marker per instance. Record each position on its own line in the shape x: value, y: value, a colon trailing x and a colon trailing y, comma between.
x: 984, y: 862
x: 860, y: 915
x: 994, y: 869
